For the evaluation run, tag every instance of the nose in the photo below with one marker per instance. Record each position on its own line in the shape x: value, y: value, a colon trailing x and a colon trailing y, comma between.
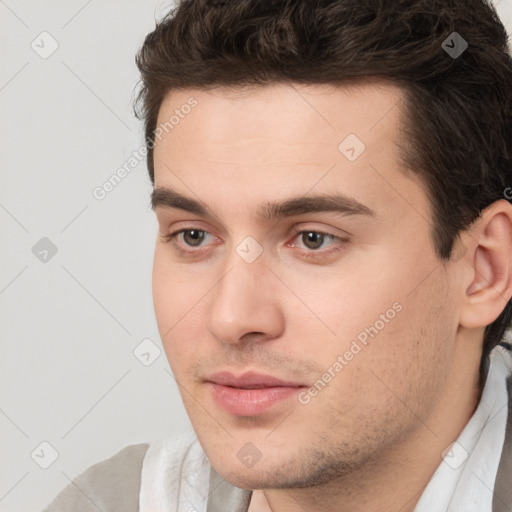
x: 244, y: 305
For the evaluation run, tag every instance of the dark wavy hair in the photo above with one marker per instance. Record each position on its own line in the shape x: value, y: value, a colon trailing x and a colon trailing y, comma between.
x: 458, y: 108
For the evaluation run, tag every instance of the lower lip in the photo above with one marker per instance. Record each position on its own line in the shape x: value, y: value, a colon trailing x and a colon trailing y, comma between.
x: 250, y: 402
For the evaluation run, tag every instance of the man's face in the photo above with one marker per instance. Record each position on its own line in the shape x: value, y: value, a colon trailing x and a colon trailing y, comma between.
x: 343, y: 300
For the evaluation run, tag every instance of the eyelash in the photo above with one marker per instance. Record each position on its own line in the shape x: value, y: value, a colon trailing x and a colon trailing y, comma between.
x: 170, y: 238
x: 319, y: 253
x: 307, y: 253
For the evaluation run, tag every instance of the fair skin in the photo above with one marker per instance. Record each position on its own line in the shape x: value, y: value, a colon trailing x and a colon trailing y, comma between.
x: 372, y: 438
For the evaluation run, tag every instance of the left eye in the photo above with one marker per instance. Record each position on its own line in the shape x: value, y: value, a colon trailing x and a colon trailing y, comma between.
x: 193, y: 237
x: 314, y: 240
x: 188, y: 237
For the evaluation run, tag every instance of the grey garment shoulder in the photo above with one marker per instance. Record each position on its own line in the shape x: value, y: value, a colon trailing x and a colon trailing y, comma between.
x: 111, y: 485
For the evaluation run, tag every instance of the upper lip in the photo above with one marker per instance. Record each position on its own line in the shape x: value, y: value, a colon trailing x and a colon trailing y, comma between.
x: 250, y: 380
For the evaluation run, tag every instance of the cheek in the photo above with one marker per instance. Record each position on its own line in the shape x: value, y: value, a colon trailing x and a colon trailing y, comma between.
x: 376, y: 313
x: 409, y: 358
x: 345, y: 302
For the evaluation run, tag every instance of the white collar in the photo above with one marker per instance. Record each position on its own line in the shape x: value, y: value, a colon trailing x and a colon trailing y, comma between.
x: 464, y: 481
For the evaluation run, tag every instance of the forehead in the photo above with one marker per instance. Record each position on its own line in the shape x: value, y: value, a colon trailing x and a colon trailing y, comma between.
x: 322, y: 108
x: 287, y: 139
x: 295, y: 124
x: 284, y: 121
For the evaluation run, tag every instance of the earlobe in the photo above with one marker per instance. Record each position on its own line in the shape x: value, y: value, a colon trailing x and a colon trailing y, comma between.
x: 491, y: 266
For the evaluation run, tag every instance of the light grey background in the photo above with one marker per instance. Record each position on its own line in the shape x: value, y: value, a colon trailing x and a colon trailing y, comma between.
x: 69, y: 325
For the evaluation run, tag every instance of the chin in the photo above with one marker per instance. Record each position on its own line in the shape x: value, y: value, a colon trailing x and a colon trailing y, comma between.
x: 249, y: 478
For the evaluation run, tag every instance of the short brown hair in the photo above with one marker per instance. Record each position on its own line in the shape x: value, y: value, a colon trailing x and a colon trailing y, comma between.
x: 458, y: 107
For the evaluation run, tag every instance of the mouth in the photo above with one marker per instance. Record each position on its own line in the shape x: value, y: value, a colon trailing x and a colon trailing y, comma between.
x: 250, y: 394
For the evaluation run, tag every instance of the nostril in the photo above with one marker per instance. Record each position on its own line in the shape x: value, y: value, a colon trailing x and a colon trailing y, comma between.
x: 254, y: 337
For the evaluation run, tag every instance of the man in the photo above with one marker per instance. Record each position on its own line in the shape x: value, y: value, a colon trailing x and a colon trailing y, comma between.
x: 333, y: 268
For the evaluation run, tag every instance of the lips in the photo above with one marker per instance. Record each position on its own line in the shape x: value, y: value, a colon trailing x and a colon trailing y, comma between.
x: 250, y: 394
x: 250, y: 380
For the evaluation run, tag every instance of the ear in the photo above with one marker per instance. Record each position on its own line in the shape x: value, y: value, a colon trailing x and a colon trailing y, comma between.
x: 488, y: 283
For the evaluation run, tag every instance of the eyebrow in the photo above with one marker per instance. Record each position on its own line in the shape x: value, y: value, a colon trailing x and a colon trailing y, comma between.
x: 163, y: 197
